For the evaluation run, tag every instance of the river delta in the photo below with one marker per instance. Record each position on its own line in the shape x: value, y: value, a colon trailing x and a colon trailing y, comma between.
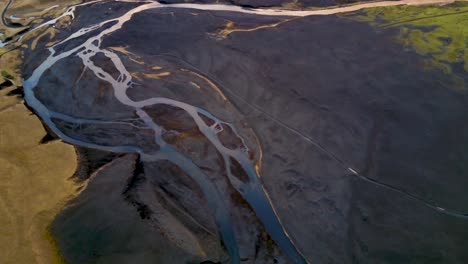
x: 233, y: 132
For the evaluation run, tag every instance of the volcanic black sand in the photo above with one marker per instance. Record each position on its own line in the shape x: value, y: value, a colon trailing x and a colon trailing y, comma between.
x: 356, y: 139
x: 293, y: 4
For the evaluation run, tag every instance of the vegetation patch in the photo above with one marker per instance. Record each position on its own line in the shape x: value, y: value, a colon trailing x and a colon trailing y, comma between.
x: 7, y: 75
x: 440, y: 33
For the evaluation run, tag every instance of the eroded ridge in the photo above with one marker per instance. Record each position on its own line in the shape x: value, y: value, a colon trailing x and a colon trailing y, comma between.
x: 208, y: 124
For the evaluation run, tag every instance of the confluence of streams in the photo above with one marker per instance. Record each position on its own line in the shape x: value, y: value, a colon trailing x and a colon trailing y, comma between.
x: 252, y: 191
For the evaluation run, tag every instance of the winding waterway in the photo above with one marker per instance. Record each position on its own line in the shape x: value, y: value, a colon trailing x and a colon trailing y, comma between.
x: 251, y: 190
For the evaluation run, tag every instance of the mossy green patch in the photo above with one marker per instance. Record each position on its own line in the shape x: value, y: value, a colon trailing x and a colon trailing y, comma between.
x: 7, y: 75
x: 440, y: 33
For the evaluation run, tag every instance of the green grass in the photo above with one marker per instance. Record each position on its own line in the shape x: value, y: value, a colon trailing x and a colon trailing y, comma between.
x: 6, y: 75
x: 440, y: 33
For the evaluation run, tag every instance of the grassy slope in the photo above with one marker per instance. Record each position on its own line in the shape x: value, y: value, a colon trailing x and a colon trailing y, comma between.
x: 34, y: 179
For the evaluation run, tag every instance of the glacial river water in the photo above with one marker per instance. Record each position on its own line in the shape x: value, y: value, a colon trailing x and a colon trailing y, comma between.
x: 251, y: 190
